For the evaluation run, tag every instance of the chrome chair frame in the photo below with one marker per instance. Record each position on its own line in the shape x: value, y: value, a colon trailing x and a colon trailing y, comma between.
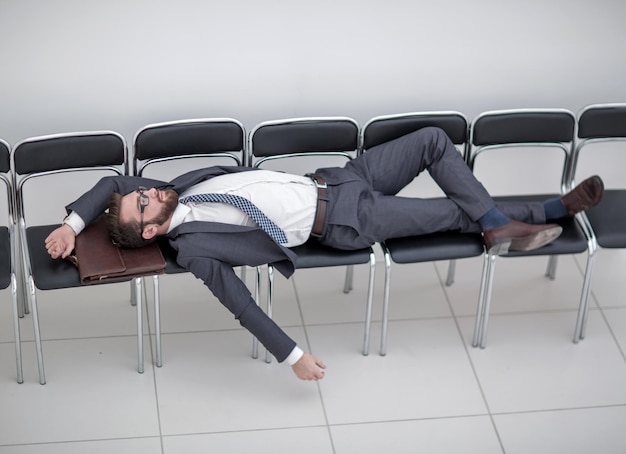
x: 421, y: 248
x: 536, y: 135
x: 23, y: 172
x: 597, y: 124
x: 7, y: 179
x: 197, y: 147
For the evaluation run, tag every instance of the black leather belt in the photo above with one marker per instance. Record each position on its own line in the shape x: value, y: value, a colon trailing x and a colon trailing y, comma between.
x: 322, y: 202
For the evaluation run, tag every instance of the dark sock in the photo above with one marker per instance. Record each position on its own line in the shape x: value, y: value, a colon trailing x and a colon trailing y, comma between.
x: 554, y: 209
x: 493, y: 218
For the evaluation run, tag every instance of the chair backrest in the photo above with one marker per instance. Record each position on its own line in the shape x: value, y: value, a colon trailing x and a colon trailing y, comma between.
x: 602, y: 121
x: 70, y: 153
x: 602, y: 124
x: 384, y: 128
x: 524, y: 128
x: 7, y: 247
x: 184, y: 139
x: 312, y: 136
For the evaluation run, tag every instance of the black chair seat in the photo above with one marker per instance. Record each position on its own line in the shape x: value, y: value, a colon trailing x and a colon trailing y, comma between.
x: 571, y: 241
x: 315, y: 255
x: 608, y: 219
x: 48, y: 273
x: 436, y: 246
x: 5, y: 262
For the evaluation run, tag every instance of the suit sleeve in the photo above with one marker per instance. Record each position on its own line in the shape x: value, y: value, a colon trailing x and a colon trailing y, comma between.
x: 95, y: 201
x: 223, y: 282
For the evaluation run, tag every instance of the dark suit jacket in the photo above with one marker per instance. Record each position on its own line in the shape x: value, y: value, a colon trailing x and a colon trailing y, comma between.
x: 210, y: 250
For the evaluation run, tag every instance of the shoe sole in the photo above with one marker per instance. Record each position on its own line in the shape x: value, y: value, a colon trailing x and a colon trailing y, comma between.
x: 526, y: 243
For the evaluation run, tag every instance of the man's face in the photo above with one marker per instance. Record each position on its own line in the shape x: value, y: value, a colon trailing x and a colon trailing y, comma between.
x: 159, y: 208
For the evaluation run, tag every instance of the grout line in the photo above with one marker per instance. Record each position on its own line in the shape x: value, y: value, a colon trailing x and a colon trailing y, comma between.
x: 469, y: 357
x: 152, y: 363
x: 62, y: 442
x: 601, y: 309
x: 319, y: 389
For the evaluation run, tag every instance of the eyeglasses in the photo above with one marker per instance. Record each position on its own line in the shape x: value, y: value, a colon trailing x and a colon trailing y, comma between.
x: 144, y: 201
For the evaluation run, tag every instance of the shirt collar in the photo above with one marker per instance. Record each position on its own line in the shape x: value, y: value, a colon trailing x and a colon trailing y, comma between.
x: 178, y: 216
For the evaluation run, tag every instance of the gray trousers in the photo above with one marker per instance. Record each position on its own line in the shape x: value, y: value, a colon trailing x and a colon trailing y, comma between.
x: 387, y: 168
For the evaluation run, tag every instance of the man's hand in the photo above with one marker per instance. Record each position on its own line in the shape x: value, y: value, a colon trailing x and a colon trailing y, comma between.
x: 60, y: 243
x: 309, y: 368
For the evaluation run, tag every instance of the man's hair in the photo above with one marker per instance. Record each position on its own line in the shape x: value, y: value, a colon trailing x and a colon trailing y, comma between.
x: 127, y: 234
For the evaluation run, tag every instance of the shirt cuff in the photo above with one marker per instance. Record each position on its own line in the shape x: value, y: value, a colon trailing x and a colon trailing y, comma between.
x: 75, y: 222
x: 294, y: 356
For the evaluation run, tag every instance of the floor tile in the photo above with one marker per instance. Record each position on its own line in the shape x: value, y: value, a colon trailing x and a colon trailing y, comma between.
x: 579, y: 431
x: 131, y: 446
x: 89, y: 311
x: 426, y: 373
x: 320, y: 292
x: 468, y: 434
x: 309, y: 440
x: 6, y: 316
x: 519, y: 286
x: 93, y: 392
x: 609, y: 278
x: 416, y: 292
x: 187, y: 306
x: 617, y: 322
x: 530, y: 363
x: 8, y: 369
x: 209, y: 383
x: 286, y: 310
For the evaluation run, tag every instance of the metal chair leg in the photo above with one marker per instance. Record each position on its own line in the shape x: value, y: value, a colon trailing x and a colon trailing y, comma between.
x: 349, y: 282
x: 368, y: 309
x: 484, y: 301
x: 23, y: 291
x: 38, y: 347
x: 257, y: 296
x: 157, y: 321
x: 487, y: 307
x: 451, y: 273
x: 270, y: 294
x: 133, y: 293
x: 478, y: 319
x: 16, y: 330
x: 551, y: 268
x: 385, y: 320
x: 139, y: 303
x: 583, y: 308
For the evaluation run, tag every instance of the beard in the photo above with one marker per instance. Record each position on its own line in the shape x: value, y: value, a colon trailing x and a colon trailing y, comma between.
x: 169, y: 204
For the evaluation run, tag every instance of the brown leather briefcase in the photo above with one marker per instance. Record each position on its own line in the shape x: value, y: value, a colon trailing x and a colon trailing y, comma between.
x: 99, y: 260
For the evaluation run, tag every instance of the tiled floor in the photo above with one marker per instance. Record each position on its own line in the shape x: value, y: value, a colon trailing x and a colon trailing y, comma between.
x: 530, y: 391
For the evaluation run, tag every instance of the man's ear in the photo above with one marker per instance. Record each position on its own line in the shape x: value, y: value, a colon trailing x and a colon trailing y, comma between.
x: 149, y: 231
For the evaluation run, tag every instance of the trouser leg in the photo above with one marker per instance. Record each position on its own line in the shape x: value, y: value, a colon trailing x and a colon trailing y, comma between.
x: 389, y: 167
x: 383, y: 217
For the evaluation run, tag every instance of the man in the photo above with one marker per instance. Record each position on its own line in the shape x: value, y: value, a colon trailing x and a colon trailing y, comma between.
x: 346, y: 208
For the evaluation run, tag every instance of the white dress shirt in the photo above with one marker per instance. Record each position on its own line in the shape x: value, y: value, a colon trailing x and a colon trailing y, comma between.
x: 290, y: 201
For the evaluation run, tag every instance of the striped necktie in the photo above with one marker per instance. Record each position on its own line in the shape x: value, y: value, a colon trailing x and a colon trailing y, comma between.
x: 247, y: 207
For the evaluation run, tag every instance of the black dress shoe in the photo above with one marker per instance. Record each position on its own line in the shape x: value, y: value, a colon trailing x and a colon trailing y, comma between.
x: 518, y: 236
x: 584, y: 196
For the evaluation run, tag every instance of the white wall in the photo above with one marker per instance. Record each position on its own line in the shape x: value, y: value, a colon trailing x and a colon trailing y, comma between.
x: 71, y: 65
